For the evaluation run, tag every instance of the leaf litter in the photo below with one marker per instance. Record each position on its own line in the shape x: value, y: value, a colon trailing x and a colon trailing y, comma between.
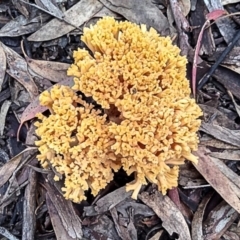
x: 206, y: 202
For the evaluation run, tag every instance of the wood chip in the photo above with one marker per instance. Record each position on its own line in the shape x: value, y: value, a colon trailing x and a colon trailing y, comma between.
x: 166, y: 210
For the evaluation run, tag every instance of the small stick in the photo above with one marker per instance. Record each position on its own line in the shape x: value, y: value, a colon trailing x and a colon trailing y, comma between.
x: 220, y: 59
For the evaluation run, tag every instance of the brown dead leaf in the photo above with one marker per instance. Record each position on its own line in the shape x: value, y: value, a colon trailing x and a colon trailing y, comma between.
x: 66, y: 223
x: 50, y: 7
x: 3, y: 66
x: 225, y: 2
x: 185, y: 6
x: 230, y: 236
x: 8, y: 168
x: 21, y: 7
x: 197, y: 231
x: 213, y: 115
x: 233, y: 232
x: 18, y: 70
x: 106, y: 12
x: 219, y: 220
x: 221, y: 133
x: 103, y: 228
x: 227, y: 155
x: 166, y: 210
x: 21, y: 26
x: 157, y: 236
x: 140, y: 12
x: 234, y: 102
x: 56, y: 28
x: 231, y: 61
x: 209, y: 141
x: 229, y: 79
x: 232, y: 176
x: 60, y: 231
x: 225, y: 25
x: 139, y: 209
x: 34, y: 107
x: 213, y: 175
x: 126, y: 230
x: 53, y: 71
x: 107, y: 202
x: 3, y: 113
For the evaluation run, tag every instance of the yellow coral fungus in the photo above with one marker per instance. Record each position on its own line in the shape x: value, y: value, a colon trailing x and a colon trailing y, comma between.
x: 150, y: 121
x: 76, y: 142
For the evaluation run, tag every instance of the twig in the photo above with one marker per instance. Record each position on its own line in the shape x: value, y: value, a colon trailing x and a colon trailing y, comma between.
x: 220, y: 59
x: 195, y: 187
x: 182, y: 27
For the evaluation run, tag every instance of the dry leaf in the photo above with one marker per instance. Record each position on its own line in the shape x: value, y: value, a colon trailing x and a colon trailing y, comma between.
x: 139, y: 209
x: 66, y: 223
x: 157, y: 236
x: 107, y: 202
x: 140, y: 12
x: 210, y: 171
x: 50, y: 7
x: 56, y: 28
x: 60, y: 231
x: 225, y: 2
x: 34, y: 107
x: 214, y: 116
x: 166, y: 210
x: 229, y: 79
x: 126, y: 231
x: 225, y: 25
x: 197, y: 231
x: 102, y: 229
x: 18, y: 70
x: 234, y: 102
x: 214, y: 15
x: 219, y: 220
x: 21, y: 26
x: 3, y: 66
x: 221, y: 133
x: 209, y: 141
x: 227, y: 155
x: 8, y: 168
x: 53, y: 71
x: 21, y: 7
x: 4, y: 109
x: 232, y: 176
x: 185, y: 6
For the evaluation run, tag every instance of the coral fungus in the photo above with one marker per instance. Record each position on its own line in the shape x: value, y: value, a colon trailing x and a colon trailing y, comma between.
x: 149, y: 123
